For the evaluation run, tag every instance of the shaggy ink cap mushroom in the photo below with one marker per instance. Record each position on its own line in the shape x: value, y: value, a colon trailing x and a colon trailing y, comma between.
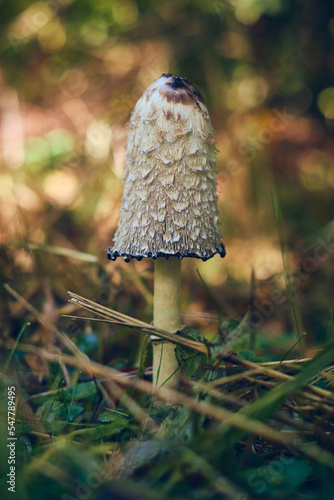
x: 169, y: 206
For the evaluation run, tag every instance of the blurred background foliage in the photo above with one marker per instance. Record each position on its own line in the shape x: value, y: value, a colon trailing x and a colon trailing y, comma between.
x: 71, y: 72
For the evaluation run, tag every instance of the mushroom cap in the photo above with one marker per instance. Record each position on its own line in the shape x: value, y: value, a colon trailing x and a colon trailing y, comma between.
x: 169, y: 204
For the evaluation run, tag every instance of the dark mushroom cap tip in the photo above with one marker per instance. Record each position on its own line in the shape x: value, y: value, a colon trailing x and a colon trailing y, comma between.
x: 113, y: 254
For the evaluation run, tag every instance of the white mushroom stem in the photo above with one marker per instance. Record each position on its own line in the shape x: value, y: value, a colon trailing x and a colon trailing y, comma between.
x: 166, y: 315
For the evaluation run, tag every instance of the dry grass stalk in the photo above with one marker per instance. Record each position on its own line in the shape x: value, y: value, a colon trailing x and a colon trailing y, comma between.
x: 172, y: 396
x: 61, y: 336
x: 321, y: 400
x: 117, y: 318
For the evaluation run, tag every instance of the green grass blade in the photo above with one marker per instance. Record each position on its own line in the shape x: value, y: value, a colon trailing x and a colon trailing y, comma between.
x: 213, y: 301
x: 291, y: 348
x: 13, y: 349
x: 262, y: 408
x: 65, y: 252
x: 73, y: 397
x: 287, y: 271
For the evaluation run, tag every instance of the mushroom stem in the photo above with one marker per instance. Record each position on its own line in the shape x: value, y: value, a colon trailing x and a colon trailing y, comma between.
x: 166, y: 315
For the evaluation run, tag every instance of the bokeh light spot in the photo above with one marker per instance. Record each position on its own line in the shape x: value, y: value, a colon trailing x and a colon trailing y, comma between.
x: 60, y: 141
x: 24, y: 261
x: 37, y: 151
x: 95, y: 33
x: 247, y: 90
x: 6, y: 186
x: 246, y: 13
x: 121, y: 58
x: 61, y: 186
x: 316, y: 169
x: 73, y: 83
x: 326, y: 102
x: 31, y: 20
x: 125, y: 13
x: 52, y: 37
x: 27, y: 198
x: 98, y: 139
x: 234, y: 45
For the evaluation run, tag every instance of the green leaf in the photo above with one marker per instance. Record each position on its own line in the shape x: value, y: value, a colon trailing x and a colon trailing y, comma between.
x: 142, y: 453
x: 117, y: 428
x: 83, y: 390
x: 54, y: 414
x: 176, y: 424
x: 110, y: 416
x: 233, y: 331
x: 190, y: 362
x: 193, y: 335
x: 181, y: 425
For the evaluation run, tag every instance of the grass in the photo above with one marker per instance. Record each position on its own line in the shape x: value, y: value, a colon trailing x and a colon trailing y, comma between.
x: 253, y: 416
x: 237, y: 428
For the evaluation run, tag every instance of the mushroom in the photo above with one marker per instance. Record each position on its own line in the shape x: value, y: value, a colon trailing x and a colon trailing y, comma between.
x: 169, y: 206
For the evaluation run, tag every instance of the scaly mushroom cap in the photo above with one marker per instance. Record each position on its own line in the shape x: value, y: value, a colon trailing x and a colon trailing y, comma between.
x: 169, y: 205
